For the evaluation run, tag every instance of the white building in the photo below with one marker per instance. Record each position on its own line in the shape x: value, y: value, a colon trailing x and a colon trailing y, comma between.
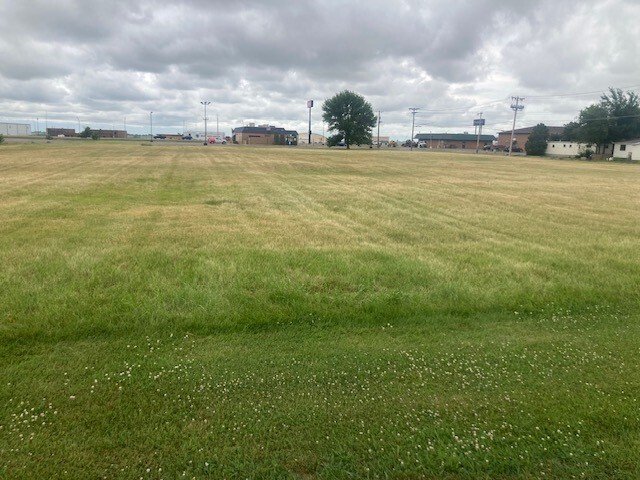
x: 316, y: 139
x: 565, y: 148
x: 628, y: 149
x: 15, y: 129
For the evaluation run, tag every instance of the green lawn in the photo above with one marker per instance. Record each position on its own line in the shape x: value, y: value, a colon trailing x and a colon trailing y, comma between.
x: 228, y: 312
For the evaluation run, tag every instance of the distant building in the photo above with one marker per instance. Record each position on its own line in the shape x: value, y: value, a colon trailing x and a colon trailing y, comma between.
x: 264, y: 135
x: 15, y: 129
x: 384, y: 141
x: 316, y: 139
x: 564, y: 148
x: 463, y: 141
x: 110, y: 133
x: 628, y: 149
x: 61, y: 132
x: 521, y: 135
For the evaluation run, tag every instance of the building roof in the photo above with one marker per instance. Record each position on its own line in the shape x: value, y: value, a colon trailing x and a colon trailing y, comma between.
x: 447, y: 137
x: 528, y: 130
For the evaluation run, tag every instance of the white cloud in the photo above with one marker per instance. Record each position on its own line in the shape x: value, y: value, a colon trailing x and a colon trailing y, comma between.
x: 261, y: 61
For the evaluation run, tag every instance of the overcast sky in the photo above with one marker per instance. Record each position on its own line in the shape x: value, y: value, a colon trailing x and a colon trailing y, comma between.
x: 109, y: 63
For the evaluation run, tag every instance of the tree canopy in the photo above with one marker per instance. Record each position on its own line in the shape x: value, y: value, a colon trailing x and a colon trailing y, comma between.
x: 350, y: 117
x: 616, y: 117
x: 537, y: 142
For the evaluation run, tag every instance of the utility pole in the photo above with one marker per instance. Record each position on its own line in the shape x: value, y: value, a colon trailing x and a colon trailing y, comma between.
x: 413, y: 123
x: 205, y: 120
x: 378, y: 128
x: 151, y: 125
x: 515, y: 107
x: 124, y: 124
x: 478, y: 123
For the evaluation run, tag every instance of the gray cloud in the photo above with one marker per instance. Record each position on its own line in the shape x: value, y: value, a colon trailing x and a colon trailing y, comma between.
x: 261, y: 61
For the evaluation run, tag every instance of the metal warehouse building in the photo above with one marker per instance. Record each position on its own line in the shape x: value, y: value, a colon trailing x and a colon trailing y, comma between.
x: 15, y: 129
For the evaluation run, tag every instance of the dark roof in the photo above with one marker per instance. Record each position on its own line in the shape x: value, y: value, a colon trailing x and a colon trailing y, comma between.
x: 552, y: 130
x: 448, y: 137
x: 268, y: 130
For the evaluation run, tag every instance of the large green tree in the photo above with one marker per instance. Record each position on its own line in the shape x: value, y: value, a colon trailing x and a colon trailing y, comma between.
x: 350, y: 117
x: 537, y: 142
x: 624, y: 114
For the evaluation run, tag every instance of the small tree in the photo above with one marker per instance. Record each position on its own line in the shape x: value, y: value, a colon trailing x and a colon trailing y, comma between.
x: 86, y: 133
x: 537, y: 142
x: 351, y: 117
x: 95, y: 136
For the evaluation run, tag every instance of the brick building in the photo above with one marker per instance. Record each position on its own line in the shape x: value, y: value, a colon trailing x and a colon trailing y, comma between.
x: 264, y: 135
x: 521, y: 135
x: 61, y: 132
x: 110, y: 133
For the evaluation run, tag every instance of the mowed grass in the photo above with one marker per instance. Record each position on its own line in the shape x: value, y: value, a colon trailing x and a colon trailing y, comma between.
x: 227, y: 312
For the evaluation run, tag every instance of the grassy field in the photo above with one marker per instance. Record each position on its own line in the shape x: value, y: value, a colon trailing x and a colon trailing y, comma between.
x: 227, y: 312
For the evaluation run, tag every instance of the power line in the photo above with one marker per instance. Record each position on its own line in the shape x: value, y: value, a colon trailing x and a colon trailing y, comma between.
x: 579, y: 94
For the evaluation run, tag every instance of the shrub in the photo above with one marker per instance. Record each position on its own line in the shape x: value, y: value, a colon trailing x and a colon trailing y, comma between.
x: 1, y: 138
x: 586, y: 153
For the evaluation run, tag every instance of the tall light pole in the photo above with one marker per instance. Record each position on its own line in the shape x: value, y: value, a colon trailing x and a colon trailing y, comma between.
x: 413, y: 123
x: 378, y: 128
x: 309, y: 106
x: 515, y: 107
x: 151, y: 126
x: 205, y: 120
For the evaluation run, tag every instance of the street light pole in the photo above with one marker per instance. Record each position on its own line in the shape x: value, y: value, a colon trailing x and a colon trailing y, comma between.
x: 205, y: 120
x: 310, y: 106
x: 151, y: 125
